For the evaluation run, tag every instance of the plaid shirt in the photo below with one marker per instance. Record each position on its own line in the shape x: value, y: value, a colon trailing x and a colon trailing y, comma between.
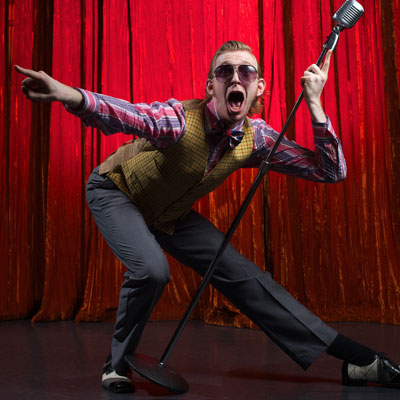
x: 164, y: 124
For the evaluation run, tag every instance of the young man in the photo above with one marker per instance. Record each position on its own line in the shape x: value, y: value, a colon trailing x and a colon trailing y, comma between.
x: 141, y: 198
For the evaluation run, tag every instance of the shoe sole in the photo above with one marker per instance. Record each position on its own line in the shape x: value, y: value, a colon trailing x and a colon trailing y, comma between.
x: 127, y: 389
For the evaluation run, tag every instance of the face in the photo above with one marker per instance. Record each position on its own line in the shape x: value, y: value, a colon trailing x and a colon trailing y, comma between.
x: 234, y: 97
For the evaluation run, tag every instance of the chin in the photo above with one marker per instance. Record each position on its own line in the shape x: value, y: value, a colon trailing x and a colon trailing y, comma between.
x: 238, y: 117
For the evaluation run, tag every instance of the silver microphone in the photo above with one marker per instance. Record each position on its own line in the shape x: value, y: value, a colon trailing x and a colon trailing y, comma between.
x: 348, y: 14
x: 346, y: 17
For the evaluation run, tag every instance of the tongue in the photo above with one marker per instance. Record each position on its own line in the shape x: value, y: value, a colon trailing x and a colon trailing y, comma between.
x: 235, y: 105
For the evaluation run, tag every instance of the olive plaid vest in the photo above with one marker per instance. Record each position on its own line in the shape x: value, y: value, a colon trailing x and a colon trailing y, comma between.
x: 165, y: 183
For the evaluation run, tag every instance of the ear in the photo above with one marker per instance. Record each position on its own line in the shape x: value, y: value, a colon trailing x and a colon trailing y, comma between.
x: 260, y: 87
x: 209, y: 87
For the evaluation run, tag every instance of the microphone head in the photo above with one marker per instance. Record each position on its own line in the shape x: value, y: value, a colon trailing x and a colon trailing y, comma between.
x: 348, y: 14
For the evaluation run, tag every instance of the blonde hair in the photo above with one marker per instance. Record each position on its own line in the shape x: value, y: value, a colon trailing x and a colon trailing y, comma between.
x: 235, y: 45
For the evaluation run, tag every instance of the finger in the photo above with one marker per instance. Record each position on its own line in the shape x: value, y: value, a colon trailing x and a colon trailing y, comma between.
x: 310, y: 78
x: 311, y: 74
x: 35, y: 96
x: 37, y: 86
x: 313, y: 69
x: 28, y: 82
x: 29, y: 94
x: 307, y: 79
x: 327, y: 62
x: 29, y: 72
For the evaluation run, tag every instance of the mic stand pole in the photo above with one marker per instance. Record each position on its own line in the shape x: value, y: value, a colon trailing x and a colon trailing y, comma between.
x: 157, y: 371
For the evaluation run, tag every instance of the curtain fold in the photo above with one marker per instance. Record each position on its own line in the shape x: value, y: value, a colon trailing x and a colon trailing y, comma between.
x: 335, y: 247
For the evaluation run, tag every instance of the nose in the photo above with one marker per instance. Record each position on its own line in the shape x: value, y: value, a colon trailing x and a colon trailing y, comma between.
x: 235, y: 77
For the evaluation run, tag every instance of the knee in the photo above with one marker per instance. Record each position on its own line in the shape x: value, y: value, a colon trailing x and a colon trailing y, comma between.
x: 158, y: 271
x: 154, y: 272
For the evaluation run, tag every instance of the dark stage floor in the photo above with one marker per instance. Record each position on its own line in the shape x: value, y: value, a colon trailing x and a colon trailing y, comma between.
x: 63, y: 360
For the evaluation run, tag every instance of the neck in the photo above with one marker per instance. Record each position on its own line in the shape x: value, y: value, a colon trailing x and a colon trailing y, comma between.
x: 228, y: 125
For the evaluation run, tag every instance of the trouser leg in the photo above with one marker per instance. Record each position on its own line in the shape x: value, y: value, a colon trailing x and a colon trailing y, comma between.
x: 128, y: 236
x: 301, y: 334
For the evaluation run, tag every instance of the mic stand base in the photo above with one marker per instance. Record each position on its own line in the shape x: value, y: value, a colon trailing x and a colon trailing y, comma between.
x: 153, y: 370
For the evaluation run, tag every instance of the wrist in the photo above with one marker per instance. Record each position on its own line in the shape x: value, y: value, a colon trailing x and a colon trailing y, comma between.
x: 316, y: 111
x: 72, y: 97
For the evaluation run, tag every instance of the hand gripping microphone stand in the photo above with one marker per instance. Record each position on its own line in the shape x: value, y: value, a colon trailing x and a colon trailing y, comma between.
x: 157, y: 371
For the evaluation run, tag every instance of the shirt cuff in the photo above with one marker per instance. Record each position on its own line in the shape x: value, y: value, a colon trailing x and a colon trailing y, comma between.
x: 88, y: 107
x: 323, y: 130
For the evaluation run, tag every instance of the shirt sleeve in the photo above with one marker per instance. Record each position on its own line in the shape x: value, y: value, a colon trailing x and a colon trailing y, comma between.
x: 325, y: 164
x: 161, y: 123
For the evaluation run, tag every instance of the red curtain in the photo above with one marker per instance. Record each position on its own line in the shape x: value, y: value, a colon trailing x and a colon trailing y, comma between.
x: 334, y: 247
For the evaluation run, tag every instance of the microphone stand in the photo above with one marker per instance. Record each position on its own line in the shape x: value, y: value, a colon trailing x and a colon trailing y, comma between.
x: 157, y: 371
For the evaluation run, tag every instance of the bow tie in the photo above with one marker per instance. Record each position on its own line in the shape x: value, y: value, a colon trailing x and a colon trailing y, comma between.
x: 233, y: 137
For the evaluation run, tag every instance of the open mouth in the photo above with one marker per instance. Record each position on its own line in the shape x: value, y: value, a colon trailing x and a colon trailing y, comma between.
x: 235, y: 101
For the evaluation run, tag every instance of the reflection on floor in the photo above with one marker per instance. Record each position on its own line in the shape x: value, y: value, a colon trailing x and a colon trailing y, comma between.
x: 63, y: 360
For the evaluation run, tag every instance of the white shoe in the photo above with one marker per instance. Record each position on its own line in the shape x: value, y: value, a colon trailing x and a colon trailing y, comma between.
x: 116, y: 382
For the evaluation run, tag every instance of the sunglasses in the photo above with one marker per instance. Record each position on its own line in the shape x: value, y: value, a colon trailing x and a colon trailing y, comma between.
x: 225, y: 72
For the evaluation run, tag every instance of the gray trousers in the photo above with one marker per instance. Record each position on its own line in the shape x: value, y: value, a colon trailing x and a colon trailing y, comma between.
x: 297, y: 331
